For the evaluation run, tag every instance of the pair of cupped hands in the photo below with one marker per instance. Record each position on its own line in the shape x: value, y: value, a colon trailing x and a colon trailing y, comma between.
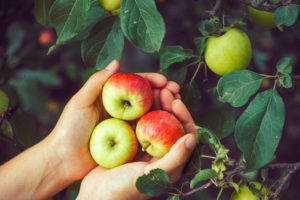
x: 70, y: 139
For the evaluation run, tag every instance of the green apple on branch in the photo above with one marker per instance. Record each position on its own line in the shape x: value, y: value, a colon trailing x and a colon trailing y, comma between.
x: 127, y: 96
x: 246, y: 194
x: 157, y: 131
x: 228, y: 52
x: 110, y: 5
x: 113, y: 143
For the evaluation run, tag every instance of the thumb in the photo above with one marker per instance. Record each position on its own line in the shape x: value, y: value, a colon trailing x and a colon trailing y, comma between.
x: 88, y: 94
x: 174, y: 161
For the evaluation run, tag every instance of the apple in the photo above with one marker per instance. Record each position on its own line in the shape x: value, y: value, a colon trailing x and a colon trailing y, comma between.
x: 113, y: 143
x: 262, y: 18
x: 228, y: 52
x: 157, y: 131
x: 46, y: 38
x: 110, y: 5
x: 127, y: 96
x: 246, y: 194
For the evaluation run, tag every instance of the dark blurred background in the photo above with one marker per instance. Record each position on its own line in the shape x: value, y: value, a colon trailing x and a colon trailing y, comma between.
x: 39, y: 86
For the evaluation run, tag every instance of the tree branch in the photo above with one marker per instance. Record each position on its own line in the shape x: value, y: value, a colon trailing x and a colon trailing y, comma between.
x: 295, y: 77
x: 215, y: 9
x: 262, y: 6
x: 206, y: 185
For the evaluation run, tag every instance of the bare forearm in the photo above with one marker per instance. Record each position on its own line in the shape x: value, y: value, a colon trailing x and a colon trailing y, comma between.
x: 34, y: 174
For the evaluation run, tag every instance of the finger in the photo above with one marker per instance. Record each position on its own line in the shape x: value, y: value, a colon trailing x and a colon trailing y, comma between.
x: 173, y: 87
x: 166, y: 99
x: 88, y: 94
x: 156, y: 80
x: 175, y: 159
x: 156, y: 100
x: 183, y: 114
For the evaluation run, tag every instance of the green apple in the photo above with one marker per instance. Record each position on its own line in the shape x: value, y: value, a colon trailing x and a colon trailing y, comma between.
x: 157, y: 131
x: 246, y: 194
x: 113, y: 143
x: 262, y: 18
x: 127, y: 96
x: 110, y: 4
x: 228, y: 52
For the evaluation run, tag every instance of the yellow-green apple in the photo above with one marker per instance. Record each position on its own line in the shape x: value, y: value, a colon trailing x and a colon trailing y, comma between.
x: 110, y: 4
x: 157, y: 131
x: 264, y: 19
x: 246, y: 194
x: 113, y: 143
x: 228, y: 52
x: 127, y: 96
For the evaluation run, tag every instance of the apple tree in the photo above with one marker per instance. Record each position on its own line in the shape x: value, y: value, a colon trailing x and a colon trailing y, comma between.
x: 235, y: 60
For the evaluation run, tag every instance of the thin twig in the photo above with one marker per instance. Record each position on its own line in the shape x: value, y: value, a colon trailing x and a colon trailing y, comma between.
x: 206, y: 185
x: 263, y: 6
x: 295, y: 77
x: 215, y: 9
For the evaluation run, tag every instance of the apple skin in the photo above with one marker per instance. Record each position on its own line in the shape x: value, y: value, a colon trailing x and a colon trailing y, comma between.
x: 246, y: 194
x: 110, y: 5
x: 228, y: 52
x: 127, y: 96
x: 262, y: 18
x: 113, y: 143
x: 157, y: 131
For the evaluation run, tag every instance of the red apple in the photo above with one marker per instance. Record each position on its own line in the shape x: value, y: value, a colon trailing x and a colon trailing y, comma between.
x: 46, y: 38
x: 127, y: 96
x: 157, y: 131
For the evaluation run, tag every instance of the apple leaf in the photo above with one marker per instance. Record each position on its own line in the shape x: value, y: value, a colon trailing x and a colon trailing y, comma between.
x: 154, y: 184
x: 7, y: 129
x: 174, y: 54
x: 209, y: 26
x: 238, y: 86
x: 285, y: 16
x: 200, y: 44
x: 284, y: 65
x: 285, y: 81
x: 258, y: 129
x: 14, y: 36
x: 142, y: 24
x: 202, y: 175
x: 4, y: 100
x: 41, y: 11
x: 191, y: 96
x: 104, y: 44
x: 221, y: 122
x: 68, y: 18
x: 208, y: 137
x: 176, y: 73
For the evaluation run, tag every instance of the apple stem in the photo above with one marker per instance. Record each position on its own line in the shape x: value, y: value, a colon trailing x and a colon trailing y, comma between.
x: 146, y: 147
x: 112, y: 143
x: 126, y: 103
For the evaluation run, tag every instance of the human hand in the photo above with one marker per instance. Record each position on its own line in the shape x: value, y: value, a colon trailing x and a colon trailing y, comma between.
x: 71, y: 135
x: 119, y: 182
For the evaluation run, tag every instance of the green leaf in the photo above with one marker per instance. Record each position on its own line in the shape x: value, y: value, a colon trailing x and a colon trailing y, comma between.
x: 174, y: 54
x: 258, y: 129
x: 208, y: 137
x: 264, y: 174
x: 284, y: 65
x: 153, y: 184
x: 4, y: 100
x: 142, y: 24
x: 191, y: 96
x: 94, y: 15
x: 200, y: 44
x: 203, y: 175
x: 285, y: 81
x: 173, y: 197
x: 238, y: 86
x: 45, y: 77
x: 7, y: 129
x: 285, y: 16
x: 221, y: 122
x: 274, y: 1
x: 233, y: 22
x: 14, y: 35
x: 176, y: 73
x: 41, y: 11
x: 68, y: 18
x: 209, y: 26
x: 104, y: 44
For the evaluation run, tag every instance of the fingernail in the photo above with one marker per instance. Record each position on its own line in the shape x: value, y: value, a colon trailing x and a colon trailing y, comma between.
x: 190, y: 143
x: 111, y: 65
